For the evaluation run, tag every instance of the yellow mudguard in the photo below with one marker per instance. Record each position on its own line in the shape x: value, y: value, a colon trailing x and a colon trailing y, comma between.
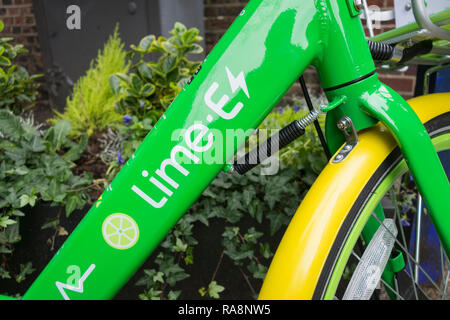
x: 301, y: 255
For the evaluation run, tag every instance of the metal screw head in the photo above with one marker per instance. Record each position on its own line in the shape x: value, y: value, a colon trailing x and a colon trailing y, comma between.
x: 358, y: 4
x: 343, y: 124
x: 339, y: 157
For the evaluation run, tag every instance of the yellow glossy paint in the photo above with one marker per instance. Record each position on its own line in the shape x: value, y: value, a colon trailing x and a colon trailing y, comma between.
x: 300, y: 257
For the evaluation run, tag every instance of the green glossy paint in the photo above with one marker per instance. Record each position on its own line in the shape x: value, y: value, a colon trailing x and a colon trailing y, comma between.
x: 242, y: 79
x: 411, y: 136
x: 263, y: 53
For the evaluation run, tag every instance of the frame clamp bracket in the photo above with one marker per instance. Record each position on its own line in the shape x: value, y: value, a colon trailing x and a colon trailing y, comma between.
x: 345, y: 124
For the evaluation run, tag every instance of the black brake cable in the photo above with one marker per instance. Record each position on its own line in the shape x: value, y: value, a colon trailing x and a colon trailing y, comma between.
x: 316, y: 122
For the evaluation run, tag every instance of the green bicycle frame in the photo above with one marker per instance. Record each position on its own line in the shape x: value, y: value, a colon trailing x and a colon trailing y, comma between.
x: 263, y: 53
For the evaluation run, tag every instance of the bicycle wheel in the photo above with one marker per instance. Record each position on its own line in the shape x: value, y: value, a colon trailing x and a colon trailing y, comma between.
x: 322, y: 255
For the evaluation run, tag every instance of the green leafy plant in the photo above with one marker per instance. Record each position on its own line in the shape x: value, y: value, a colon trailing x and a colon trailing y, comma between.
x: 213, y: 290
x: 36, y: 166
x: 152, y: 85
x: 91, y: 107
x: 25, y: 270
x: 18, y: 89
x: 266, y: 199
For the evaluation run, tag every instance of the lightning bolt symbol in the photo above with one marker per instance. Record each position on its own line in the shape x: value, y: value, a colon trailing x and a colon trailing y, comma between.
x: 237, y: 82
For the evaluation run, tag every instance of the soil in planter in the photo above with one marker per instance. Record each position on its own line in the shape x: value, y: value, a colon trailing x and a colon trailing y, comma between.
x: 90, y: 161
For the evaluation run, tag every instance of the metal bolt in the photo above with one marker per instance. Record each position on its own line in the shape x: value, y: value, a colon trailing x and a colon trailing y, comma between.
x: 348, y: 147
x: 343, y: 124
x: 339, y: 157
x: 408, y: 6
x: 358, y: 4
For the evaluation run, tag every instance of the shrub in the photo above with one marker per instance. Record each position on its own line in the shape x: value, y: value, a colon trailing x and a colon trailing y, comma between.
x: 267, y: 200
x: 91, y: 107
x: 36, y: 167
x: 18, y: 89
x: 152, y: 85
x: 148, y: 90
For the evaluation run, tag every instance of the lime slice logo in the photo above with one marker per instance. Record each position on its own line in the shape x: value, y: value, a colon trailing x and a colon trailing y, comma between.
x: 120, y: 231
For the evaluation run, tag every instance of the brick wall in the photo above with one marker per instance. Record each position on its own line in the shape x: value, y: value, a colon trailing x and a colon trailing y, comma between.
x: 18, y: 17
x: 20, y: 24
x: 219, y: 14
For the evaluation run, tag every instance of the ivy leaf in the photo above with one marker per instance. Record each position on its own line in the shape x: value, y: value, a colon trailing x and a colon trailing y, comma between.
x: 202, y: 291
x: 3, y: 273
x: 264, y: 249
x: 36, y: 144
x: 61, y: 130
x: 4, y: 249
x: 51, y: 223
x: 214, y: 289
x: 76, y: 149
x: 189, y: 259
x: 12, y: 233
x: 53, y: 188
x: 173, y: 295
x: 248, y: 195
x: 25, y: 270
x: 277, y: 220
x: 23, y: 200
x: 258, y: 270
x: 18, y: 213
x: 158, y: 277
x: 71, y: 203
x: 180, y: 246
x: 10, y: 124
x: 5, y: 221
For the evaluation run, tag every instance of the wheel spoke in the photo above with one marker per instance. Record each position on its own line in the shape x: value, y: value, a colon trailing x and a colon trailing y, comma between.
x: 409, y: 256
x: 418, y: 234
x: 402, y: 233
x: 445, y: 278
